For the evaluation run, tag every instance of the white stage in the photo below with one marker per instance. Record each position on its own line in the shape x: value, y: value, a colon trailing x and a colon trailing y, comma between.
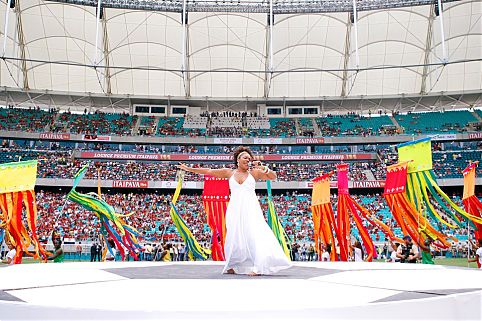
x: 197, y: 291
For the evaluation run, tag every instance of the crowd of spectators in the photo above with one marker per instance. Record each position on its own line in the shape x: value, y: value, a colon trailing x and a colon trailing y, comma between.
x: 250, y: 124
x: 169, y: 127
x: 450, y: 164
x: 420, y: 123
x: 307, y: 171
x: 61, y: 164
x: 328, y: 128
x: 353, y: 124
x: 226, y: 131
x: 27, y: 120
x: 96, y: 123
x: 283, y: 128
x: 57, y: 165
x: 151, y: 217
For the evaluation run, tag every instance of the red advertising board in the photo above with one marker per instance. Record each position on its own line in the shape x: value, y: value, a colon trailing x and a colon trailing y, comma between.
x: 227, y: 157
x: 100, y: 138
x: 54, y: 136
x: 120, y: 155
x: 317, y: 140
x: 475, y: 135
x: 357, y: 184
x: 316, y: 157
x: 130, y: 184
x: 368, y: 184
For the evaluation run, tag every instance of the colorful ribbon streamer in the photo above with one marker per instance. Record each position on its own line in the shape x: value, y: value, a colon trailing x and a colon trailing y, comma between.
x: 412, y: 221
x: 349, y: 208
x: 471, y: 203
x: 112, y: 223
x: 423, y: 190
x: 215, y: 200
x: 323, y: 216
x: 275, y: 224
x: 195, y: 250
x: 17, y: 182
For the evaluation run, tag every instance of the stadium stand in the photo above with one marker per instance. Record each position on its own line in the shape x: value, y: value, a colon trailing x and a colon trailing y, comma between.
x: 170, y: 126
x: 241, y: 125
x: 151, y: 216
x: 59, y: 164
x: 147, y: 126
x: 282, y: 127
x: 28, y: 120
x: 100, y: 123
x: 449, y: 122
x: 353, y: 125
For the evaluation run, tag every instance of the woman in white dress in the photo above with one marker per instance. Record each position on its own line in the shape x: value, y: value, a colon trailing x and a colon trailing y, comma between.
x: 251, y: 247
x: 357, y: 251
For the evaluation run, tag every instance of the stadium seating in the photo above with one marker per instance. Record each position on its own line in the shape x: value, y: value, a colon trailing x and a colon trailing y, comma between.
x: 29, y: 120
x: 306, y: 127
x: 258, y: 126
x: 147, y: 125
x: 170, y: 126
x: 195, y: 125
x: 151, y: 216
x: 282, y: 127
x: 450, y: 122
x: 101, y: 124
x: 240, y: 125
x: 352, y: 125
x: 451, y: 164
x: 58, y: 164
x: 479, y: 112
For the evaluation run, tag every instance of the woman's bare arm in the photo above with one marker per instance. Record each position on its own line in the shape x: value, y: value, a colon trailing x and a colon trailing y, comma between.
x: 220, y: 173
x: 263, y: 172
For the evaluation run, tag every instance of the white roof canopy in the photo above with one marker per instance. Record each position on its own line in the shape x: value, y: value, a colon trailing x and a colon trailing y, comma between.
x: 52, y: 46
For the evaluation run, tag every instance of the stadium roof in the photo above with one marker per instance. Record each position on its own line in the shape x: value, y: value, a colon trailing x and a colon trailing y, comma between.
x: 254, y: 6
x: 52, y: 45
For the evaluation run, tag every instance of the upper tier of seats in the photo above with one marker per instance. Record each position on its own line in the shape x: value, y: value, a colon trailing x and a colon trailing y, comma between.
x: 282, y: 127
x: 450, y: 122
x: 352, y: 125
x: 169, y: 126
x: 479, y: 112
x: 451, y: 164
x: 28, y: 120
x: 98, y: 123
x: 58, y: 164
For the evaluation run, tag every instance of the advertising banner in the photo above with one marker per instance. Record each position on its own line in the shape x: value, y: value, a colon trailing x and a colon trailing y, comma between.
x: 223, y: 157
x: 130, y: 184
x: 54, y: 136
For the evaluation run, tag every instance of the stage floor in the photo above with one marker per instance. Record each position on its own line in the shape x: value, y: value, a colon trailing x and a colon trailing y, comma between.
x: 198, y: 291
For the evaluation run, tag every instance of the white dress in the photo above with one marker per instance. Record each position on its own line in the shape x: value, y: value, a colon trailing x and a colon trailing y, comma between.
x: 357, y: 253
x: 250, y: 244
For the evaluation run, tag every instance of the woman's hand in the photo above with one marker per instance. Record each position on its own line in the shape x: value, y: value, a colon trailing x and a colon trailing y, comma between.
x: 260, y: 167
x: 183, y: 167
x: 257, y: 165
x: 262, y: 171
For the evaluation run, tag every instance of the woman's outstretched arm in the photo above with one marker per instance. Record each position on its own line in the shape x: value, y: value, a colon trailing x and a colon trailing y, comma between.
x: 263, y: 172
x: 220, y: 173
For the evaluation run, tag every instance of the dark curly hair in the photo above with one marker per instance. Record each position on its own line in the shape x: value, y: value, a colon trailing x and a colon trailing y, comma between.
x: 238, y: 151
